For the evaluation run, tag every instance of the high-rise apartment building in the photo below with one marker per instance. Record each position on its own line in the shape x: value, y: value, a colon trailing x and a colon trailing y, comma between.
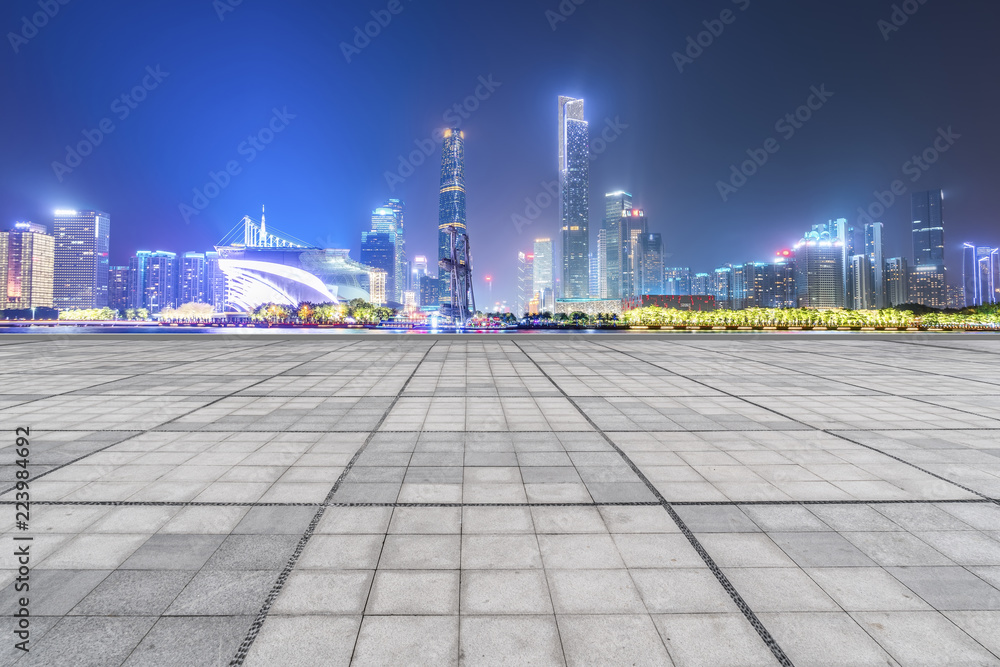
x: 980, y: 275
x: 118, y: 288
x: 525, y: 281
x: 928, y: 275
x: 27, y: 260
x: 862, y: 289
x: 451, y: 202
x: 162, y: 272
x: 80, y: 274
x: 136, y: 290
x: 543, y: 282
x: 778, y: 278
x: 216, y: 283
x: 601, y: 292
x: 615, y: 205
x: 897, y: 281
x: 193, y: 287
x: 875, y: 251
x: 677, y: 281
x: 819, y: 268
x: 574, y: 200
x: 652, y: 265
x: 721, y: 286
x: 701, y: 285
x: 383, y: 238
x: 402, y: 271
x: 633, y: 229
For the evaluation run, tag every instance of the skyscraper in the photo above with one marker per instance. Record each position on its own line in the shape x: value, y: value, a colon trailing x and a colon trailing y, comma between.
x: 525, y: 282
x: 819, y: 268
x: 677, y: 281
x: 574, y: 200
x: 136, y: 290
x: 193, y: 286
x: 378, y: 251
x: 700, y: 285
x: 384, y: 232
x: 81, y: 259
x: 897, y: 281
x: 27, y: 259
x: 928, y: 277
x: 875, y: 251
x: 862, y: 289
x: 602, y: 265
x: 544, y: 270
x: 615, y: 203
x: 980, y: 275
x: 118, y: 288
x: 216, y: 283
x: 633, y: 230
x: 162, y: 269
x: 652, y: 265
x: 402, y: 274
x: 451, y: 203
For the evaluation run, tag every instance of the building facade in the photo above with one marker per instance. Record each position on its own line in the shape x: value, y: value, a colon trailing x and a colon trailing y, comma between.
x: 525, y: 282
x: 875, y: 251
x: 574, y: 199
x: 980, y: 275
x: 451, y: 203
x: 928, y: 276
x: 819, y: 269
x: 543, y: 282
x: 118, y: 288
x: 897, y: 281
x: 616, y: 204
x: 80, y: 273
x: 27, y: 262
x: 193, y: 287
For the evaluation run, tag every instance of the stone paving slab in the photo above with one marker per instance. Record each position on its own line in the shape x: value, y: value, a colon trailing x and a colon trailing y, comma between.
x: 370, y: 500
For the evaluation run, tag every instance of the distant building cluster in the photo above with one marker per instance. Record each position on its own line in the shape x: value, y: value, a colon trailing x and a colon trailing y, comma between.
x: 833, y: 265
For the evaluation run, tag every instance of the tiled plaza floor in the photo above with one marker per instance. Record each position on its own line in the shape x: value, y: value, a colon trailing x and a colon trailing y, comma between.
x: 675, y: 499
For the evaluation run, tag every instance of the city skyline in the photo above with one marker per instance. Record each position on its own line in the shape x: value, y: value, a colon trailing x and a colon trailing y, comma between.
x: 682, y: 133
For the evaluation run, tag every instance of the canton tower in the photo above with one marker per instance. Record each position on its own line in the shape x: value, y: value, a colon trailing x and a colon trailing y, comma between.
x: 451, y: 205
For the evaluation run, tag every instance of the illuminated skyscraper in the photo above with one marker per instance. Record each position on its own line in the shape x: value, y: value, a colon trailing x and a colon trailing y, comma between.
x: 451, y: 203
x: 819, y: 268
x: 980, y: 275
x: 615, y: 203
x: 525, y: 282
x: 192, y: 281
x: 574, y: 200
x: 677, y: 281
x: 897, y: 281
x: 875, y: 251
x: 118, y: 288
x: 402, y: 272
x: 700, y: 285
x: 633, y: 230
x: 928, y: 276
x: 602, y: 265
x: 162, y: 269
x: 136, y: 290
x: 81, y: 259
x: 652, y: 265
x: 27, y: 259
x: 380, y: 248
x: 862, y: 291
x: 544, y: 269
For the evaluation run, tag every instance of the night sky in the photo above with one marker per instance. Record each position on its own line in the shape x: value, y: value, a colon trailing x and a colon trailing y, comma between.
x: 220, y: 81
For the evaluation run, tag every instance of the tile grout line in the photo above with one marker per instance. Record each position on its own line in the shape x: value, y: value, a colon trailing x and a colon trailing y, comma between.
x: 720, y: 576
x: 244, y: 648
x: 813, y: 428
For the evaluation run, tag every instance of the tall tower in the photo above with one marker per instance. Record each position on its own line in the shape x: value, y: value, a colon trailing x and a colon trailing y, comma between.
x: 402, y: 270
x: 615, y: 203
x: 875, y: 250
x: 928, y: 273
x: 574, y: 200
x: 27, y: 257
x: 81, y: 259
x: 543, y: 278
x: 451, y: 203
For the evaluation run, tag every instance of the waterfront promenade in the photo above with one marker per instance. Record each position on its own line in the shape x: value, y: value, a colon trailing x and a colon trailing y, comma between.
x: 639, y: 499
